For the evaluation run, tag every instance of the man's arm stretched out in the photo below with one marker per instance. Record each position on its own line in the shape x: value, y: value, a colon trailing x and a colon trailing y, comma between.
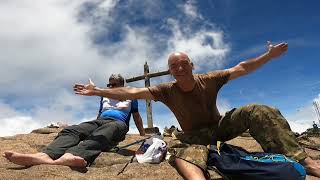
x: 120, y: 93
x: 250, y: 65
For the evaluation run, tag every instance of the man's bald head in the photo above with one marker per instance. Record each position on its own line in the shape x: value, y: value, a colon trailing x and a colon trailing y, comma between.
x: 177, y: 55
x: 180, y: 65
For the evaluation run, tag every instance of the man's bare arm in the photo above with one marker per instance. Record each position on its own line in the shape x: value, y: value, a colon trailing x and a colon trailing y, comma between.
x: 138, y: 121
x: 120, y: 93
x: 248, y: 66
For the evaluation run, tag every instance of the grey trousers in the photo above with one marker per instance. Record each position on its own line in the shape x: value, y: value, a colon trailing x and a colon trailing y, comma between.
x: 87, y: 139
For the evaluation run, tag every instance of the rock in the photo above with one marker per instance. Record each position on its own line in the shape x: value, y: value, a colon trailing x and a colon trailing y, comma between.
x: 46, y: 130
x: 106, y: 166
x: 153, y: 130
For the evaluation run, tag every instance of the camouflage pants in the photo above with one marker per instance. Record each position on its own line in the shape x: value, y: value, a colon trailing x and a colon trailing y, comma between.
x: 265, y: 124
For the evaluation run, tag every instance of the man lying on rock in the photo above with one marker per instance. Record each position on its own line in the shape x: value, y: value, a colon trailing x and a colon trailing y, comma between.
x: 79, y: 145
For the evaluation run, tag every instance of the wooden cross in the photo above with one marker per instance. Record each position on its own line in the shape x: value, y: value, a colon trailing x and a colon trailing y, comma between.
x: 146, y: 76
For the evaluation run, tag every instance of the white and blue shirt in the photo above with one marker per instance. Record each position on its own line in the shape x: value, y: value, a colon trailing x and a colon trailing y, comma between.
x: 117, y: 110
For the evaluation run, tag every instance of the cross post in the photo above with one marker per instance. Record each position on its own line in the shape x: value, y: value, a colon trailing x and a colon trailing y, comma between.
x: 146, y: 77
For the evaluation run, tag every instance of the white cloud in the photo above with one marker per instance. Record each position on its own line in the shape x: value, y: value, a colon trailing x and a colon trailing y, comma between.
x: 63, y: 109
x: 43, y: 43
x: 190, y: 10
x: 102, y: 17
x: 13, y: 122
x: 43, y: 47
x: 223, y: 105
x: 130, y: 53
x: 299, y: 127
x: 106, y: 6
x: 6, y: 111
x: 46, y: 48
x: 17, y: 125
x: 206, y: 48
x: 304, y: 117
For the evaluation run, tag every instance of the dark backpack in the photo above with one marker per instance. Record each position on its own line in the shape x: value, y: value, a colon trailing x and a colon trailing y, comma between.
x: 236, y: 163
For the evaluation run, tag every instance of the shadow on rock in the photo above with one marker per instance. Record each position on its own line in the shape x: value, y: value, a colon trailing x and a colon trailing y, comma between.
x: 80, y: 169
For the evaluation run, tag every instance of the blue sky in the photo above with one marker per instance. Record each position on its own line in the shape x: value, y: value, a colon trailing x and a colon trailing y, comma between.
x: 47, y: 46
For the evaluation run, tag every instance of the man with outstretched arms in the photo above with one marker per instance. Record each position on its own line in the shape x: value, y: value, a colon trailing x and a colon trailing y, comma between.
x: 192, y: 99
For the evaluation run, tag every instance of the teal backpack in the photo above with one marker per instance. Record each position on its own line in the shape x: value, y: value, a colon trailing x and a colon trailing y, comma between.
x: 236, y: 163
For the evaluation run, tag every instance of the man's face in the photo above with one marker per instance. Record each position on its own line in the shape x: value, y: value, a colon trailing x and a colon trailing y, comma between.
x: 113, y: 83
x: 180, y: 65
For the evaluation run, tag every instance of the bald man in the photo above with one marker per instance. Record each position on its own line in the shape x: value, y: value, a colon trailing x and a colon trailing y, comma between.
x: 192, y: 99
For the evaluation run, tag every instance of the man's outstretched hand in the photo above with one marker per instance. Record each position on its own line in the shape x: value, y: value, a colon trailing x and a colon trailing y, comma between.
x: 86, y: 90
x: 275, y: 51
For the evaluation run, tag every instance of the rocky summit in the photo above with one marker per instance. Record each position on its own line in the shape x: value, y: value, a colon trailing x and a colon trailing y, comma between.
x: 108, y: 164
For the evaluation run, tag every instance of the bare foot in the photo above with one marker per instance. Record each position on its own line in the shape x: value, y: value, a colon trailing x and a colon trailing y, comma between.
x: 28, y: 159
x: 71, y: 160
x: 312, y: 166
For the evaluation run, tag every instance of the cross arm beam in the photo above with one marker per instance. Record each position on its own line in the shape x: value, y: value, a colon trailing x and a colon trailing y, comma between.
x: 149, y: 75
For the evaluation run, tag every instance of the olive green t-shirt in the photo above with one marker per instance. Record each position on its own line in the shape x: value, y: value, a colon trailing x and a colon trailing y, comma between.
x: 197, y: 108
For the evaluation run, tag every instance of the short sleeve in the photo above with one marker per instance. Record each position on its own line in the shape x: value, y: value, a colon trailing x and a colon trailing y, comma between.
x: 160, y: 92
x: 221, y: 77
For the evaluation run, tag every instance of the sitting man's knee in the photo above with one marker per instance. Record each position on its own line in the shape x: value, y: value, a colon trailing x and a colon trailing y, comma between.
x: 259, y: 112
x: 258, y: 107
x: 252, y: 107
